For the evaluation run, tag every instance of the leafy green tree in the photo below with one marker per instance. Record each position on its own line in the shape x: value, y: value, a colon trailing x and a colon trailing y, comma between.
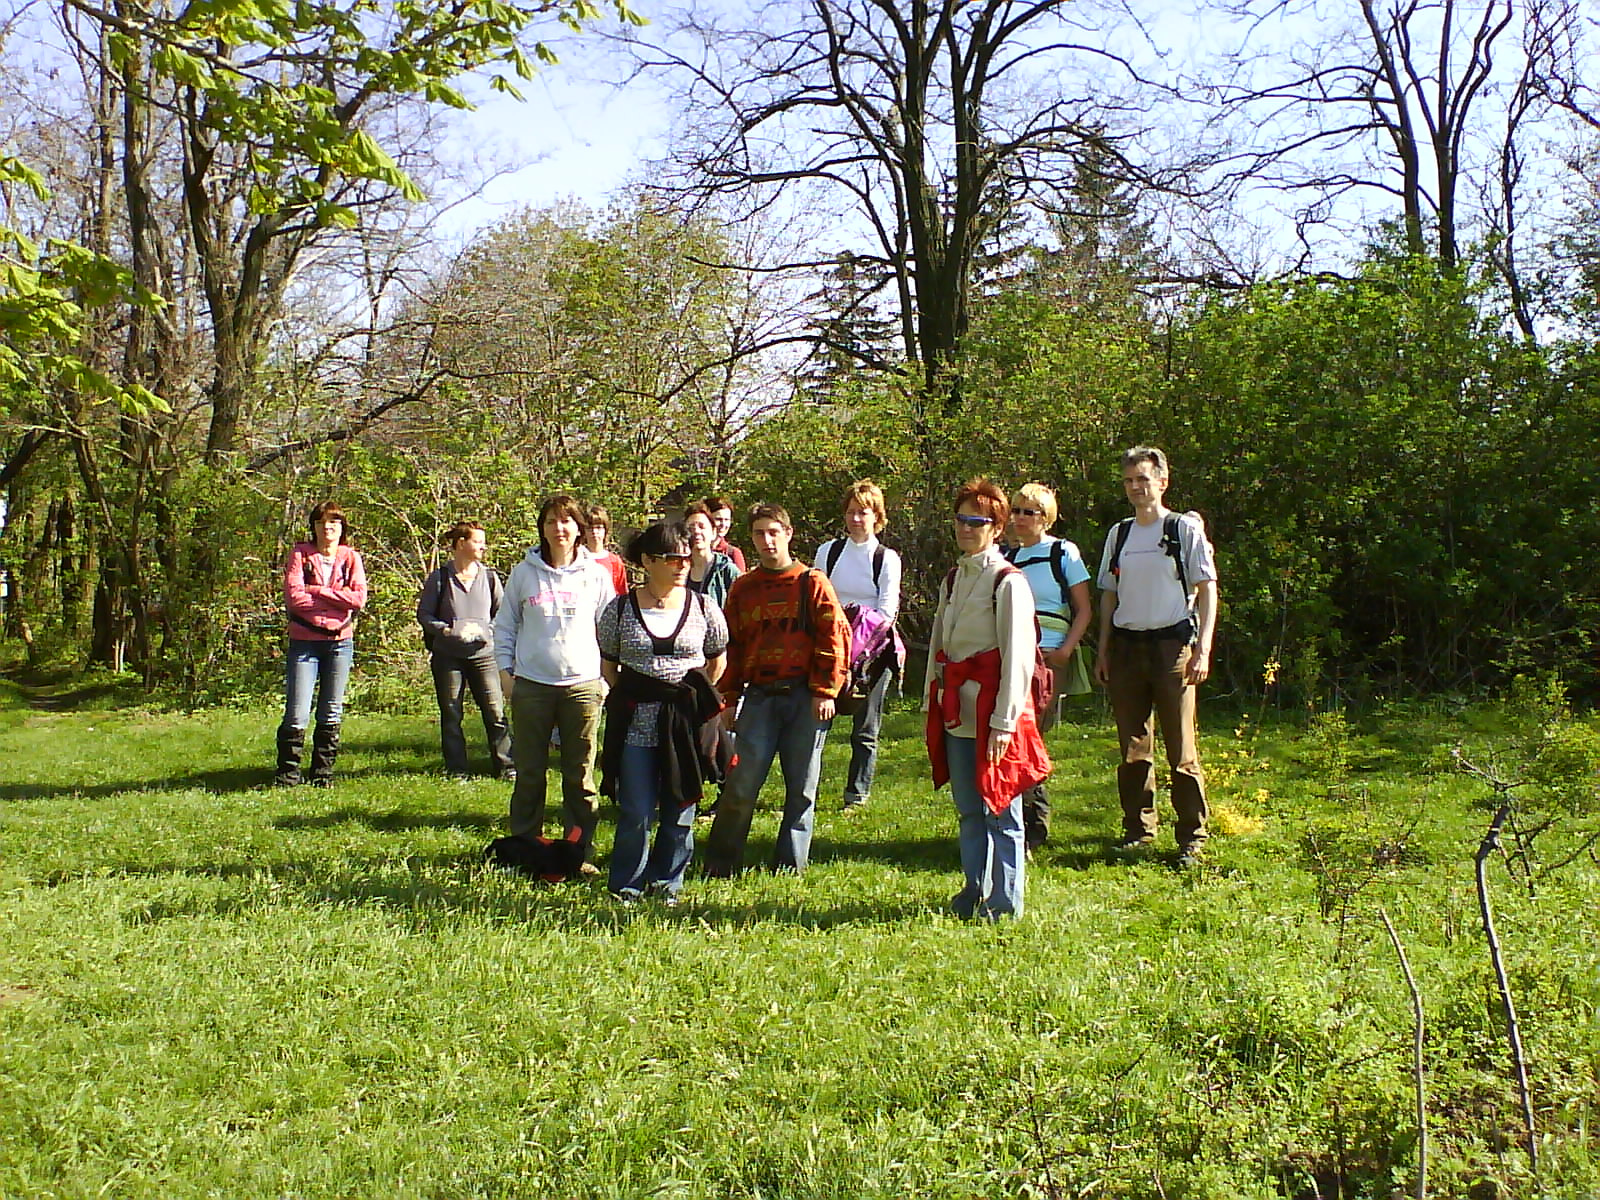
x: 226, y: 140
x: 611, y: 347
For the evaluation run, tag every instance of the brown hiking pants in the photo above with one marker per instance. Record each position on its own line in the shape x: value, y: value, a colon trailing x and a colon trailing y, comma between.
x: 1147, y: 678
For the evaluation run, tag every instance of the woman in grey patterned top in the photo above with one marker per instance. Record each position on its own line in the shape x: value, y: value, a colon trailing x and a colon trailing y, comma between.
x: 657, y: 633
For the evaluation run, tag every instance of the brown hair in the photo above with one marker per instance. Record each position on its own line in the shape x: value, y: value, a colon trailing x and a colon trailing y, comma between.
x: 987, y: 499
x: 868, y: 495
x: 324, y: 511
x: 698, y: 508
x: 769, y: 512
x: 713, y: 503
x: 561, y: 505
x: 460, y: 531
x: 597, y: 515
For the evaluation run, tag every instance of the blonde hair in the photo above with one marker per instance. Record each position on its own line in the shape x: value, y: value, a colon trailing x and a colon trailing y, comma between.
x: 868, y: 495
x: 1036, y: 495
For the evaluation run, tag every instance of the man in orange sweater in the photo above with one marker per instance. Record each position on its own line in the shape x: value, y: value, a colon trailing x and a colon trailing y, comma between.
x: 788, y: 655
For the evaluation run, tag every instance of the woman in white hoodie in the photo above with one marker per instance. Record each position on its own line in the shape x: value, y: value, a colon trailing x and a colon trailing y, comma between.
x: 545, y: 644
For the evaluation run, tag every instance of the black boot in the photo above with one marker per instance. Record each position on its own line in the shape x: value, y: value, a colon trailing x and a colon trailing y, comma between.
x: 290, y: 742
x: 1035, y: 817
x: 324, y: 749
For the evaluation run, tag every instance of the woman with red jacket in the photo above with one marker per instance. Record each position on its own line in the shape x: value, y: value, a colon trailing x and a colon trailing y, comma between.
x: 324, y: 587
x: 983, y: 735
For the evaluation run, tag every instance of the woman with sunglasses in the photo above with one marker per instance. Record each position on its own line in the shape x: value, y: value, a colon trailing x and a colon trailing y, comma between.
x: 982, y: 733
x: 662, y: 650
x: 1060, y: 583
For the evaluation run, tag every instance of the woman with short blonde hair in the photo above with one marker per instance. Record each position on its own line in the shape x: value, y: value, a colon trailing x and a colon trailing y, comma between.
x: 1060, y: 582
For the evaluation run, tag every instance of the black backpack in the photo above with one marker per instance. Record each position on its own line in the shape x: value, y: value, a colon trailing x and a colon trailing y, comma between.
x: 1058, y: 554
x: 836, y: 548
x: 1171, y: 542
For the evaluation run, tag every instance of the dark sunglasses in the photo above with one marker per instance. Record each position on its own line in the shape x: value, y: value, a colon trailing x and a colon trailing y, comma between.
x: 671, y: 558
x: 1028, y: 512
x: 969, y: 519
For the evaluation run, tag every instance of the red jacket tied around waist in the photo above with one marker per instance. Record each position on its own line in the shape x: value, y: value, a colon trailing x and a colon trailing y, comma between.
x: 1025, y: 762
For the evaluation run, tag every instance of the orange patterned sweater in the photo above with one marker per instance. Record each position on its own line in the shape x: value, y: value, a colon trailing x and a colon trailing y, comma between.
x: 769, y: 642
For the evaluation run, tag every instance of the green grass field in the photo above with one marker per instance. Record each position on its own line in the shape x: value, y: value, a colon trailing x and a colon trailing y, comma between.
x: 210, y: 988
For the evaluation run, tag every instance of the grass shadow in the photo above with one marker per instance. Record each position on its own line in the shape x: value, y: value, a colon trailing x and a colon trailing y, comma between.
x: 222, y: 781
x: 391, y: 822
x: 461, y: 884
x: 935, y: 854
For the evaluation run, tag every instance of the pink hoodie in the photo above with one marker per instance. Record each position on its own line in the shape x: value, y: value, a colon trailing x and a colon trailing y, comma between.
x: 323, y: 603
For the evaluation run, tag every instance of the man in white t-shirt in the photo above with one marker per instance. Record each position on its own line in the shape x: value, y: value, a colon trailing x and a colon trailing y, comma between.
x: 1158, y: 611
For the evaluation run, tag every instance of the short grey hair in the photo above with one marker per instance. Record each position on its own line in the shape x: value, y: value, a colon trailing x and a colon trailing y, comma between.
x: 1150, y: 454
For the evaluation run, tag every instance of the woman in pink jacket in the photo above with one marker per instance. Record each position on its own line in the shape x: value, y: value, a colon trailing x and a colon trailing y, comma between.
x: 324, y: 587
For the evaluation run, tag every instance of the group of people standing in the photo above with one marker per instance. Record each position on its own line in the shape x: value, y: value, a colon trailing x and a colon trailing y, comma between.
x: 707, y: 669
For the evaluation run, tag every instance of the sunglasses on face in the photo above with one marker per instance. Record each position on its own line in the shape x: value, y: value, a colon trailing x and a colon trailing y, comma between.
x: 1028, y: 512
x: 675, y: 559
x: 973, y: 522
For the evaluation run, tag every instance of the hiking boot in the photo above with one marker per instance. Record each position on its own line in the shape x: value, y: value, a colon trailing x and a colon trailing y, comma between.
x: 291, y: 742
x: 1135, y: 845
x: 1189, y: 857
x: 324, y: 752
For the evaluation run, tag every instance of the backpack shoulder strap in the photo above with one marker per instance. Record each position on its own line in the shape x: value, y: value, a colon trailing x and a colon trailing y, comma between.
x: 949, y: 584
x: 835, y: 549
x: 807, y: 625
x: 1124, y: 527
x: 1172, y: 538
x: 1058, y: 555
x: 1000, y: 575
x: 1011, y: 553
x: 877, y: 564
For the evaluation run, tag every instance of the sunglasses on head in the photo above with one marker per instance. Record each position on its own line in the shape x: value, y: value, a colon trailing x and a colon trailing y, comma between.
x: 969, y: 519
x: 1028, y: 512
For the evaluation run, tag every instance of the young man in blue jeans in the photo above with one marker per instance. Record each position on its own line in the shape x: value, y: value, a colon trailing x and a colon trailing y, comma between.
x: 788, y: 655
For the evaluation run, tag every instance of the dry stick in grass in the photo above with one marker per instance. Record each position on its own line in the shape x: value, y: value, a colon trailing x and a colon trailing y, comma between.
x: 1489, y: 846
x: 1486, y: 849
x: 1419, y: 1080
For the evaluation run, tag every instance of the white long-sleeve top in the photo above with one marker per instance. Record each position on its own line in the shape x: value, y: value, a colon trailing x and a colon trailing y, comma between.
x: 978, y: 615
x: 852, y: 575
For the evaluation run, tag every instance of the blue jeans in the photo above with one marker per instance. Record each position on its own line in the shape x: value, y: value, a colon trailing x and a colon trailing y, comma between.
x: 320, y: 666
x: 772, y: 724
x: 864, y: 741
x: 632, y: 871
x: 992, y: 855
x: 452, y: 677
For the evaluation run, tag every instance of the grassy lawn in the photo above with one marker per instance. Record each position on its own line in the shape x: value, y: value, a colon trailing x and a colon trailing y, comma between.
x: 209, y: 988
